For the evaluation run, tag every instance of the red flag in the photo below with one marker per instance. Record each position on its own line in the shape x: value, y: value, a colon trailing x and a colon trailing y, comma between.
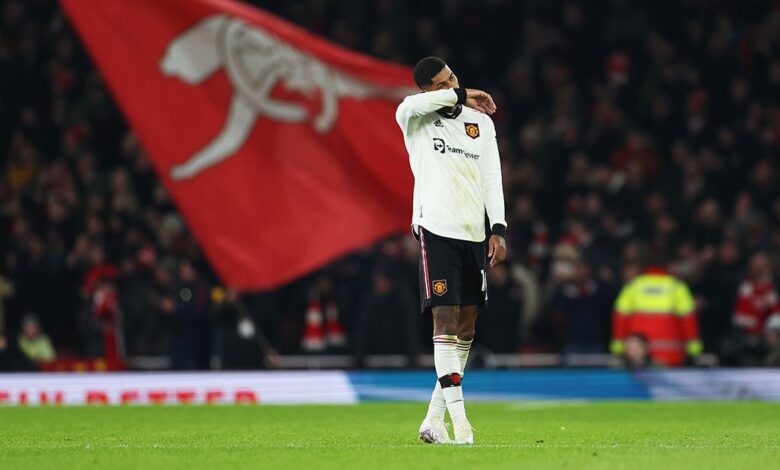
x: 280, y: 148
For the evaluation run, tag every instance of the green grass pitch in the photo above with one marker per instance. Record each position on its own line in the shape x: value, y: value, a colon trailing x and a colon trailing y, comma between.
x: 375, y: 436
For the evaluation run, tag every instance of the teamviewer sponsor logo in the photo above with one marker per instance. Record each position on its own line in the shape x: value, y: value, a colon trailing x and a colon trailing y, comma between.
x: 439, y: 145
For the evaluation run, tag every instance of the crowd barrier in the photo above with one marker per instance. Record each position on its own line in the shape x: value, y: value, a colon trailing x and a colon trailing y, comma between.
x: 340, y: 387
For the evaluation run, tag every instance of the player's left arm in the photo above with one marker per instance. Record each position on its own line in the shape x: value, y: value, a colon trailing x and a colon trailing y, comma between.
x: 493, y: 193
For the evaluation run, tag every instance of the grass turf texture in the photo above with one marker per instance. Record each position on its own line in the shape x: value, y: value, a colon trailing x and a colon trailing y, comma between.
x: 508, y: 435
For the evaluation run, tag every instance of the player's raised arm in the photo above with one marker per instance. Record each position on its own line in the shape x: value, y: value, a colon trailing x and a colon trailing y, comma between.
x: 428, y: 102
x: 493, y: 195
x: 440, y: 91
x: 431, y: 101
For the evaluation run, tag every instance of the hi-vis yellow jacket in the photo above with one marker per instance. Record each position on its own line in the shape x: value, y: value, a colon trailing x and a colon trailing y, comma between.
x: 659, y: 307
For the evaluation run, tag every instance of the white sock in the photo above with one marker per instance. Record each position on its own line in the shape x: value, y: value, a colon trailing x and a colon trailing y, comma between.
x: 445, y: 357
x: 463, y: 347
x: 438, y: 406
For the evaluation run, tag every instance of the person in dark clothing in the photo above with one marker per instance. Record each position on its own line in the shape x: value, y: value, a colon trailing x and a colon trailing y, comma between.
x: 141, y: 315
x: 717, y: 288
x: 386, y: 320
x: 240, y: 343
x: 772, y: 341
x: 190, y: 320
x: 499, y: 326
x: 581, y: 309
x: 235, y: 345
x: 12, y: 359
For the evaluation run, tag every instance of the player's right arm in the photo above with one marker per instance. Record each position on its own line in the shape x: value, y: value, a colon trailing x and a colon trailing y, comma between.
x: 427, y: 102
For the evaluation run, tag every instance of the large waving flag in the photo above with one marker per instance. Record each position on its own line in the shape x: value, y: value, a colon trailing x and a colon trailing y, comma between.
x: 279, y: 147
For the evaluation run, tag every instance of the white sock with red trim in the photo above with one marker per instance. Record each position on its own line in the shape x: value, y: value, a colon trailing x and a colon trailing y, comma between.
x: 463, y: 347
x: 438, y: 406
x: 445, y: 357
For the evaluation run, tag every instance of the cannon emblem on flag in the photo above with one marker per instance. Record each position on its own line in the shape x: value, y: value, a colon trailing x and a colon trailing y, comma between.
x: 255, y: 62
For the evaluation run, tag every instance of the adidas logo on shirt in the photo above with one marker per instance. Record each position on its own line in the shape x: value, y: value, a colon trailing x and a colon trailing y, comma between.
x: 438, y: 123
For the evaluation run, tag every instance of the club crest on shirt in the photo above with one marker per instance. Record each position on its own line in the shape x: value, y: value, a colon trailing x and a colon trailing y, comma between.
x: 440, y: 287
x: 472, y: 129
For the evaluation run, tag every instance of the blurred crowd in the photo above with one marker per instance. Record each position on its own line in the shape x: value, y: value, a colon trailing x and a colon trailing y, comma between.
x: 631, y: 134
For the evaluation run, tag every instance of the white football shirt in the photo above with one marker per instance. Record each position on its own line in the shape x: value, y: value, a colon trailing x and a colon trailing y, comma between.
x: 456, y: 166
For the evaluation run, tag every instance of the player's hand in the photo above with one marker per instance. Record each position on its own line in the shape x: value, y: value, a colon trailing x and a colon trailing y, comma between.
x: 479, y: 100
x: 496, y: 249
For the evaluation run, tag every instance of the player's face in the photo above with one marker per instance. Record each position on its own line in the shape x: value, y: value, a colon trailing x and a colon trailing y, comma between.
x: 443, y: 80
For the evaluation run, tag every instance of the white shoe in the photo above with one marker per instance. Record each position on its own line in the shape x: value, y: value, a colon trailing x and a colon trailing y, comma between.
x: 434, y: 433
x: 464, y: 433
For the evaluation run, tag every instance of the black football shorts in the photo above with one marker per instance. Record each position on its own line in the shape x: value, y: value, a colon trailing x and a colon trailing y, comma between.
x: 452, y: 272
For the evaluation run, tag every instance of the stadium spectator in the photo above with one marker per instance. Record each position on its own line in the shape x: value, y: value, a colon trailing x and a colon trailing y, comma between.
x: 637, y: 353
x: 6, y: 291
x: 386, y: 320
x: 34, y: 343
x: 529, y: 235
x: 581, y: 310
x: 143, y: 321
x: 715, y: 295
x: 757, y: 299
x: 323, y: 330
x: 188, y: 304
x: 499, y: 325
x: 4, y: 354
x: 772, y: 341
x: 239, y: 342
x: 12, y: 359
x: 659, y: 307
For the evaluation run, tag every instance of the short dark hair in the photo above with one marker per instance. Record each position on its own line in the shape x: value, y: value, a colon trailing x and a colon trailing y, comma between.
x: 426, y: 69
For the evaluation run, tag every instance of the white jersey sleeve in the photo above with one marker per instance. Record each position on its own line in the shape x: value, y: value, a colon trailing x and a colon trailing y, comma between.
x: 492, y: 185
x: 421, y: 104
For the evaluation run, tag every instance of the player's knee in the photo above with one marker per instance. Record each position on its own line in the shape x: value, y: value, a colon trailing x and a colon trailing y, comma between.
x: 466, y: 333
x: 445, y: 328
x: 445, y: 320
